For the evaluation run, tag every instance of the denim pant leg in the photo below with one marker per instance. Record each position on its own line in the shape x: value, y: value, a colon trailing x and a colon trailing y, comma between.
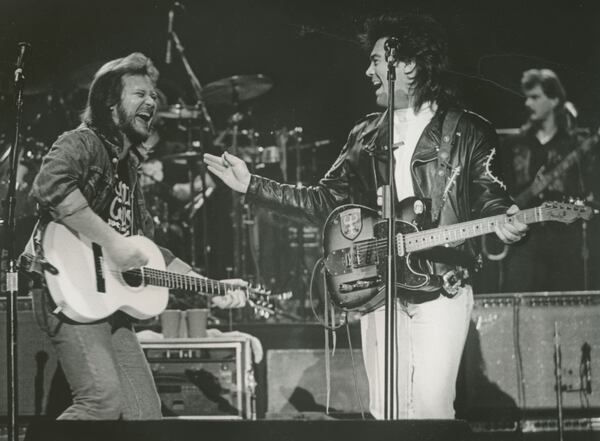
x: 100, y: 375
x: 430, y: 340
x: 140, y: 397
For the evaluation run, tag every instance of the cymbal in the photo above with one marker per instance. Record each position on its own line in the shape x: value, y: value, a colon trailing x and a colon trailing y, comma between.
x: 236, y: 88
x: 182, y: 158
x: 178, y: 111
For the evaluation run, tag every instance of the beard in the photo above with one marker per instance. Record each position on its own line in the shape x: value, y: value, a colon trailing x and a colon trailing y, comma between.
x: 128, y: 124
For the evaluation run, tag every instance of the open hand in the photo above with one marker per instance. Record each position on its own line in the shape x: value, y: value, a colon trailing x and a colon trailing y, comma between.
x: 230, y: 169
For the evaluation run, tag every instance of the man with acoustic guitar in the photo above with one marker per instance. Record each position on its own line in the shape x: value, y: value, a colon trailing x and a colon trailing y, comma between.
x: 88, y: 182
x: 432, y: 138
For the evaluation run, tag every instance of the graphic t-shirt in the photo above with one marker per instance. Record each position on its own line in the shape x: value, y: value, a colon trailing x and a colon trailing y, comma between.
x: 119, y: 215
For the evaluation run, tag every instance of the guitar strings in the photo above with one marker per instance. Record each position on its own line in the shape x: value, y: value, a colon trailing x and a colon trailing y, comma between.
x: 422, y: 236
x: 182, y: 280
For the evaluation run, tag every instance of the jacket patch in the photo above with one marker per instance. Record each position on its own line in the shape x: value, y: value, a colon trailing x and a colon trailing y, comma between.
x: 488, y: 169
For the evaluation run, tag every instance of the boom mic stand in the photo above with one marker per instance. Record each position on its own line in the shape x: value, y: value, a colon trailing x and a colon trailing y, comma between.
x: 389, y: 213
x: 12, y: 279
x: 209, y: 130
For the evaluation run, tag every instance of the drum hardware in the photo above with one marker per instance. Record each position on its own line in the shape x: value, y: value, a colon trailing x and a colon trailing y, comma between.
x: 237, y: 88
x: 180, y: 111
x: 198, y: 112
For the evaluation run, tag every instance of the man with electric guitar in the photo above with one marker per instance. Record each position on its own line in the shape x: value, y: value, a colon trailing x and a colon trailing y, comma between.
x: 546, y: 161
x: 98, y: 269
x: 445, y: 163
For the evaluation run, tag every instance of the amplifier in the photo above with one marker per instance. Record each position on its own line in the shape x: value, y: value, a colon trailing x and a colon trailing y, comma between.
x: 203, y: 378
x: 36, y: 361
x: 508, y: 364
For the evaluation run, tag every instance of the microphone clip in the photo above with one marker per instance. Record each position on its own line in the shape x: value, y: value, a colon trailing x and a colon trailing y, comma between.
x: 391, y: 46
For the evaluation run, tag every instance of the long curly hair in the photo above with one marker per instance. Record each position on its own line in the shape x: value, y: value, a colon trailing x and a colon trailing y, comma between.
x: 422, y: 41
x: 107, y: 87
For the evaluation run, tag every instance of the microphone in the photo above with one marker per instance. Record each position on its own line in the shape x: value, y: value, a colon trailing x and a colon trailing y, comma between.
x: 391, y: 49
x: 168, y: 57
x: 20, y: 61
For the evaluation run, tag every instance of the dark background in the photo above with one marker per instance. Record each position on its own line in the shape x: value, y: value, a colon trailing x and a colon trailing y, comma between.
x: 309, y: 50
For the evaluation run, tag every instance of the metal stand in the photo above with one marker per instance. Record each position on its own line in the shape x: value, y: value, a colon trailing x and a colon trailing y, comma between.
x: 12, y: 279
x: 209, y: 130
x: 559, y: 385
x: 389, y: 213
x: 237, y: 215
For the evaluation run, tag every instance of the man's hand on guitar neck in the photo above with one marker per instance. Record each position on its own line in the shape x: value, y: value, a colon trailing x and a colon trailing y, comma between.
x: 231, y: 299
x: 511, y: 232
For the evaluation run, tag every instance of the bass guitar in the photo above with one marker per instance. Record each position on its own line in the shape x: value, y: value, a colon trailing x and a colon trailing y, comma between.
x: 86, y: 286
x: 543, y: 180
x: 355, y: 247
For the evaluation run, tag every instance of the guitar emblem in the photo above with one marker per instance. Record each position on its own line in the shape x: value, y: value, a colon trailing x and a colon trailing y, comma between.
x: 351, y: 223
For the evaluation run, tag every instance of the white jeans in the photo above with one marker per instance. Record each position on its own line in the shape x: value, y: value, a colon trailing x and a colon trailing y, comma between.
x: 430, y: 340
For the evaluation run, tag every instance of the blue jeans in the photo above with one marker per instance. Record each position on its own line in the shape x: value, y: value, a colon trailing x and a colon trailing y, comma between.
x: 429, y: 343
x: 104, y: 364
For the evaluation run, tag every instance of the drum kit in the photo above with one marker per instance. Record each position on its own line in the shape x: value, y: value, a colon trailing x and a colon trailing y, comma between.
x: 177, y: 187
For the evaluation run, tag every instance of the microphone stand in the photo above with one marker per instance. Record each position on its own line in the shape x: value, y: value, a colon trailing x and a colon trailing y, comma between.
x: 209, y: 130
x: 389, y: 213
x: 558, y: 379
x: 12, y: 279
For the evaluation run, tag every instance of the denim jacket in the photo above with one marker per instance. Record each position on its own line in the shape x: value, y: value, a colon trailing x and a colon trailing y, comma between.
x: 80, y: 171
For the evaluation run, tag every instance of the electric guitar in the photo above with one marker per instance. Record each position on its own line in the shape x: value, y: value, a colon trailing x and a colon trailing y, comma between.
x: 543, y: 180
x: 86, y: 286
x: 355, y: 247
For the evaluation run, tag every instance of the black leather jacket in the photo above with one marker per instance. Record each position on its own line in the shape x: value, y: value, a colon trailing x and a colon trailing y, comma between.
x: 361, y: 168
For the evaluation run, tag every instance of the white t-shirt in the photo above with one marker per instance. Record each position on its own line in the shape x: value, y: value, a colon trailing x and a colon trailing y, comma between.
x: 408, y: 127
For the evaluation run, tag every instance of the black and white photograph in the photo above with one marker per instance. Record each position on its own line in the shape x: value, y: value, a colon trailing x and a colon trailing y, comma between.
x: 299, y: 220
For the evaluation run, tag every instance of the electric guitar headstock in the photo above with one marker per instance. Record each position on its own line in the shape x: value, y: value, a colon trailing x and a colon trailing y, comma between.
x: 566, y: 212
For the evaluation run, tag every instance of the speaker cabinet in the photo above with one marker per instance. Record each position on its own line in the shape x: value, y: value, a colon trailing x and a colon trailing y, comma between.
x: 36, y: 361
x: 508, y: 364
x: 488, y: 379
x: 577, y: 318
x: 296, y: 382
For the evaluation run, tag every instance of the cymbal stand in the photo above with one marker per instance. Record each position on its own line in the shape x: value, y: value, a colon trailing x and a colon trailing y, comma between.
x: 209, y: 130
x: 237, y: 217
x: 12, y: 279
x: 250, y: 220
x: 192, y: 174
x: 302, y: 270
x: 198, y: 90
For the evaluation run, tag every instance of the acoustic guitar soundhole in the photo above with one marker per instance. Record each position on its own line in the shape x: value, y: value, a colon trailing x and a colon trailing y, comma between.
x: 132, y: 278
